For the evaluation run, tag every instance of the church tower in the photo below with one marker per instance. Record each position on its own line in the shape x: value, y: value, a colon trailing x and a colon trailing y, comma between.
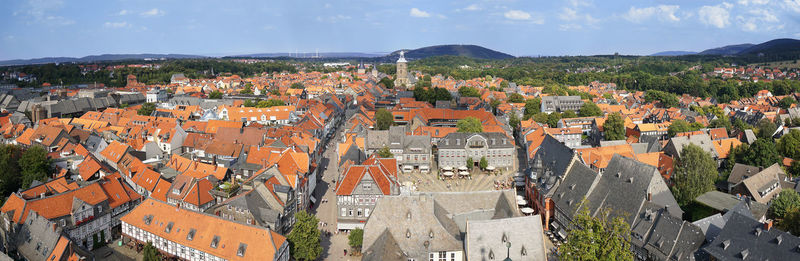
x: 401, y: 79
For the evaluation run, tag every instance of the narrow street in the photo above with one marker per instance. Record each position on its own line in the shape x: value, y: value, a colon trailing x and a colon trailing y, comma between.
x: 325, y: 210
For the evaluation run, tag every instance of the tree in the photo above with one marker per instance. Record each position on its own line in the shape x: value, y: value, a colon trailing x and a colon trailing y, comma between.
x: 385, y: 153
x: 694, y: 174
x: 789, y: 144
x: 483, y: 163
x: 215, y: 95
x: 791, y: 221
x: 794, y: 169
x: 270, y: 103
x: 248, y: 89
x: 383, y: 119
x: 34, y: 165
x: 513, y: 120
x: 589, y: 109
x: 470, y: 125
x: 516, y: 98
x: 678, y: 126
x: 250, y: 103
x: 787, y: 199
x: 146, y: 109
x: 470, y: 163
x: 597, y: 237
x: 387, y: 83
x: 765, y: 128
x: 763, y: 153
x: 786, y: 102
x: 552, y: 119
x: 667, y: 99
x: 10, y: 180
x: 722, y: 122
x: 150, y: 252
x: 614, y: 127
x: 532, y: 106
x: 740, y: 125
x: 568, y: 115
x: 297, y: 85
x: 467, y: 91
x: 276, y: 92
x: 356, y: 239
x: 305, y: 237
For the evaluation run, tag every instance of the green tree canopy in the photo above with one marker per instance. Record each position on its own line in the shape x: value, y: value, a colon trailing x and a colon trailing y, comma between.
x: 356, y: 239
x: 470, y: 125
x: 763, y: 153
x: 568, y: 115
x: 483, y: 163
x: 789, y: 145
x: 467, y: 91
x: 694, y: 174
x: 146, y: 109
x: 305, y: 237
x: 589, y: 109
x: 667, y: 99
x: 269, y: 103
x: 10, y: 180
x: 385, y: 153
x: 679, y: 126
x: 786, y: 102
x: 614, y: 127
x: 34, y: 165
x: 765, y: 128
x: 387, y: 83
x: 470, y: 163
x: 248, y: 89
x: 150, y: 253
x: 297, y: 85
x: 787, y: 200
x: 383, y: 119
x: 597, y: 237
x: 516, y: 98
x: 532, y: 106
x: 215, y: 95
x: 513, y: 120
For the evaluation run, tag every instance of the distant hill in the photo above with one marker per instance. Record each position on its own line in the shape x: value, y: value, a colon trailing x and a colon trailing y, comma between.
x: 310, y: 55
x: 774, y: 47
x: 673, y: 53
x: 97, y: 58
x: 726, y: 50
x: 471, y: 51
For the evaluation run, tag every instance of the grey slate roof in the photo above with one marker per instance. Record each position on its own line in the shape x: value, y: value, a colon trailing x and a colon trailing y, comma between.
x: 411, y: 220
x: 524, y: 233
x: 550, y: 163
x: 744, y: 238
x: 574, y: 188
x: 701, y: 140
x: 36, y: 238
x: 741, y: 172
x: 377, y: 139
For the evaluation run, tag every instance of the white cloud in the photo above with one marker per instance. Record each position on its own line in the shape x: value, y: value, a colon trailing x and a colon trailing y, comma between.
x: 792, y: 4
x: 717, y: 16
x: 418, y: 13
x: 568, y: 14
x: 472, y: 7
x: 517, y: 15
x: 153, y: 12
x: 577, y: 3
x: 753, y: 2
x: 123, y: 12
x: 39, y: 11
x: 116, y: 24
x: 759, y: 20
x: 663, y: 12
x: 569, y: 27
x: 333, y: 18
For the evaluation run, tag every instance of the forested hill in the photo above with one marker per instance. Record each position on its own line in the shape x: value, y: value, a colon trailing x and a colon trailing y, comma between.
x: 471, y: 51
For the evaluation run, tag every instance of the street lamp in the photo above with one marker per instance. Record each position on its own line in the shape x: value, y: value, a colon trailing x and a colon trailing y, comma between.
x: 508, y: 251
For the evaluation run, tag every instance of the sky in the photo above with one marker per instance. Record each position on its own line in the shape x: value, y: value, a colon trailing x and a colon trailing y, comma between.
x: 53, y: 28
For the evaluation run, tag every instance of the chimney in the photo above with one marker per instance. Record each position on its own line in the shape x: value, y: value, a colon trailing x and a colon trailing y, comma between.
x: 768, y: 224
x: 649, y: 196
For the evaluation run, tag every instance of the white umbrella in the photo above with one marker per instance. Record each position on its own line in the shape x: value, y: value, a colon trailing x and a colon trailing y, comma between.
x: 520, y: 197
x: 448, y: 173
x: 462, y: 168
x: 490, y: 168
x: 527, y: 210
x: 464, y: 173
x: 448, y: 168
x: 522, y: 202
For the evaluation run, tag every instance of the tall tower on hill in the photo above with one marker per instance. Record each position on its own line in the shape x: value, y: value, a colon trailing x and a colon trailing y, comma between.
x: 401, y: 78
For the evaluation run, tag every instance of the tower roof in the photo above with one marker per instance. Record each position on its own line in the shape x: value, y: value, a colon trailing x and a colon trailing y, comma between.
x: 402, y: 58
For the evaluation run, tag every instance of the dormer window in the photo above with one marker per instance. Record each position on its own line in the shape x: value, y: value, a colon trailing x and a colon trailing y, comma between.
x: 215, y: 242
x: 190, y: 235
x: 241, y: 249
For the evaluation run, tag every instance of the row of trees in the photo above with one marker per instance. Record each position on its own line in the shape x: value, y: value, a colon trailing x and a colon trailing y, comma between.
x: 258, y: 103
x: 18, y: 168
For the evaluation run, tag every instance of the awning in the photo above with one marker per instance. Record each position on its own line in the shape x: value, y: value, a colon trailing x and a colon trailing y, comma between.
x: 349, y: 226
x: 313, y: 200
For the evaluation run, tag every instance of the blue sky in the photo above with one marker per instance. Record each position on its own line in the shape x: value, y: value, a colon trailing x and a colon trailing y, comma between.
x: 46, y: 28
